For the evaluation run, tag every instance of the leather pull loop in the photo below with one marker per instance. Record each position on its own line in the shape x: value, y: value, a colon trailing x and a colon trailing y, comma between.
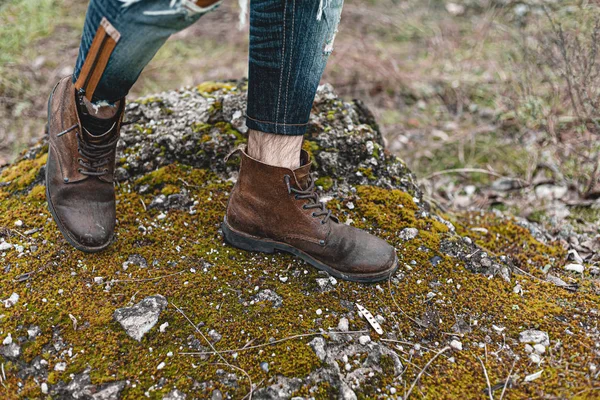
x: 233, y: 152
x: 97, y: 58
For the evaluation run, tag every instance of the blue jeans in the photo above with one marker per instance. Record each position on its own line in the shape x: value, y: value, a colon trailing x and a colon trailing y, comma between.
x: 290, y: 41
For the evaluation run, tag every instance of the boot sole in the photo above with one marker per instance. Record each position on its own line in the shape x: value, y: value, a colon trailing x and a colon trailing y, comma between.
x: 66, y: 234
x: 252, y: 243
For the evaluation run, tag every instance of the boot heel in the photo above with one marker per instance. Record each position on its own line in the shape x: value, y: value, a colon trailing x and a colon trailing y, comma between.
x: 245, y: 242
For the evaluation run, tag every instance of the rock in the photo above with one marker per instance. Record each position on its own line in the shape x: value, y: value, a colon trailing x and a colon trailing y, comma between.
x: 435, y: 260
x: 346, y: 393
x: 7, y: 340
x: 535, y: 358
x: 61, y: 366
x: 10, y: 351
x: 456, y: 345
x: 11, y: 301
x: 174, y: 395
x: 539, y: 348
x: 216, y: 395
x: 575, y: 268
x: 268, y: 295
x: 80, y: 387
x: 33, y: 332
x: 318, y: 345
x: 364, y: 339
x: 140, y: 318
x: 5, y: 246
x: 110, y: 391
x: 264, y: 366
x: 44, y: 388
x: 573, y: 255
x: 324, y: 285
x: 409, y: 233
x: 343, y: 325
x: 534, y: 337
x: 135, y: 259
x: 214, y: 335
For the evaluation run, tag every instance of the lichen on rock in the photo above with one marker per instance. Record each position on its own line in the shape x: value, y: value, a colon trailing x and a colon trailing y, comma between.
x: 473, y: 278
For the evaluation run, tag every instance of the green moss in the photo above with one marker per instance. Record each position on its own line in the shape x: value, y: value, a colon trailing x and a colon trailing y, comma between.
x: 23, y: 173
x: 325, y: 182
x: 200, y: 127
x: 210, y: 87
x: 368, y: 172
x: 219, y: 296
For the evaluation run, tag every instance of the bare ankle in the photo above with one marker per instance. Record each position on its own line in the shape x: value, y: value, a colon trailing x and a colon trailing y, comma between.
x: 277, y: 150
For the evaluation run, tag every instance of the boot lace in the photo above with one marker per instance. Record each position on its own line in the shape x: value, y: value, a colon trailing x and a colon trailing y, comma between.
x: 311, y: 195
x: 97, y: 155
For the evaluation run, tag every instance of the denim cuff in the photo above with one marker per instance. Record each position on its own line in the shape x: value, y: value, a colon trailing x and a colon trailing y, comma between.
x: 276, y: 128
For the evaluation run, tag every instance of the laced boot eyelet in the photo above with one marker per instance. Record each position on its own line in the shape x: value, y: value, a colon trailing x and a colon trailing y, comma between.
x: 286, y: 179
x: 296, y: 197
x: 314, y: 215
x: 304, y: 207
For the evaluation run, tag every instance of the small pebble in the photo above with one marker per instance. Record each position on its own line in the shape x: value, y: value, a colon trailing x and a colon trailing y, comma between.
x: 161, y: 366
x: 456, y: 345
x: 7, y: 340
x: 343, y: 325
x: 575, y: 268
x: 61, y: 366
x: 364, y: 339
x: 539, y: 348
x: 319, y: 311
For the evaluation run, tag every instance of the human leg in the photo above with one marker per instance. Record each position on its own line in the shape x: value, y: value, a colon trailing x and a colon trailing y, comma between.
x: 84, y: 111
x: 274, y: 204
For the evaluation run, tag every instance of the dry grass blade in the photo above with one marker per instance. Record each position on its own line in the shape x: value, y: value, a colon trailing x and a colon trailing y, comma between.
x: 487, y: 378
x: 285, y: 339
x: 442, y: 351
x: 507, y: 379
x: 225, y: 362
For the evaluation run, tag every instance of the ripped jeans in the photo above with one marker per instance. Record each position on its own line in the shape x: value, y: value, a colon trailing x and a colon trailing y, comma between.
x: 290, y: 41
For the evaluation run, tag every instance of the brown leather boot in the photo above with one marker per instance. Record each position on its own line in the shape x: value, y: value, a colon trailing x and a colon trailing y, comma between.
x: 79, y: 172
x: 273, y: 208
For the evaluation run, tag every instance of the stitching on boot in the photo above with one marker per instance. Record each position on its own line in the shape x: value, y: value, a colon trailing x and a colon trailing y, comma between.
x: 104, y: 43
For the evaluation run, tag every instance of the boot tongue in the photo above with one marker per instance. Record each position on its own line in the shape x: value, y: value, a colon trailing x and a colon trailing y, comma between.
x: 302, y: 173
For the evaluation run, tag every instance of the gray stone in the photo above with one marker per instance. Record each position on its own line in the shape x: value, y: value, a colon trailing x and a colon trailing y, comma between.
x: 174, y: 394
x: 214, y: 335
x: 533, y: 336
x: 11, y: 351
x: 409, y: 233
x: 140, y: 318
x: 318, y: 344
x: 268, y: 295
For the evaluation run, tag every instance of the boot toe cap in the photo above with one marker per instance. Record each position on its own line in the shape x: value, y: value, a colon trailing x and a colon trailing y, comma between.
x: 88, y: 230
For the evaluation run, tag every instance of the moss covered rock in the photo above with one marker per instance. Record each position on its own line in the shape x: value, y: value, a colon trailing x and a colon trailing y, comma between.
x: 240, y: 323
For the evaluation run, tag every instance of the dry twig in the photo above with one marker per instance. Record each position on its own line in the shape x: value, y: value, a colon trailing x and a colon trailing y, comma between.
x: 225, y: 362
x: 487, y: 378
x: 445, y: 349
